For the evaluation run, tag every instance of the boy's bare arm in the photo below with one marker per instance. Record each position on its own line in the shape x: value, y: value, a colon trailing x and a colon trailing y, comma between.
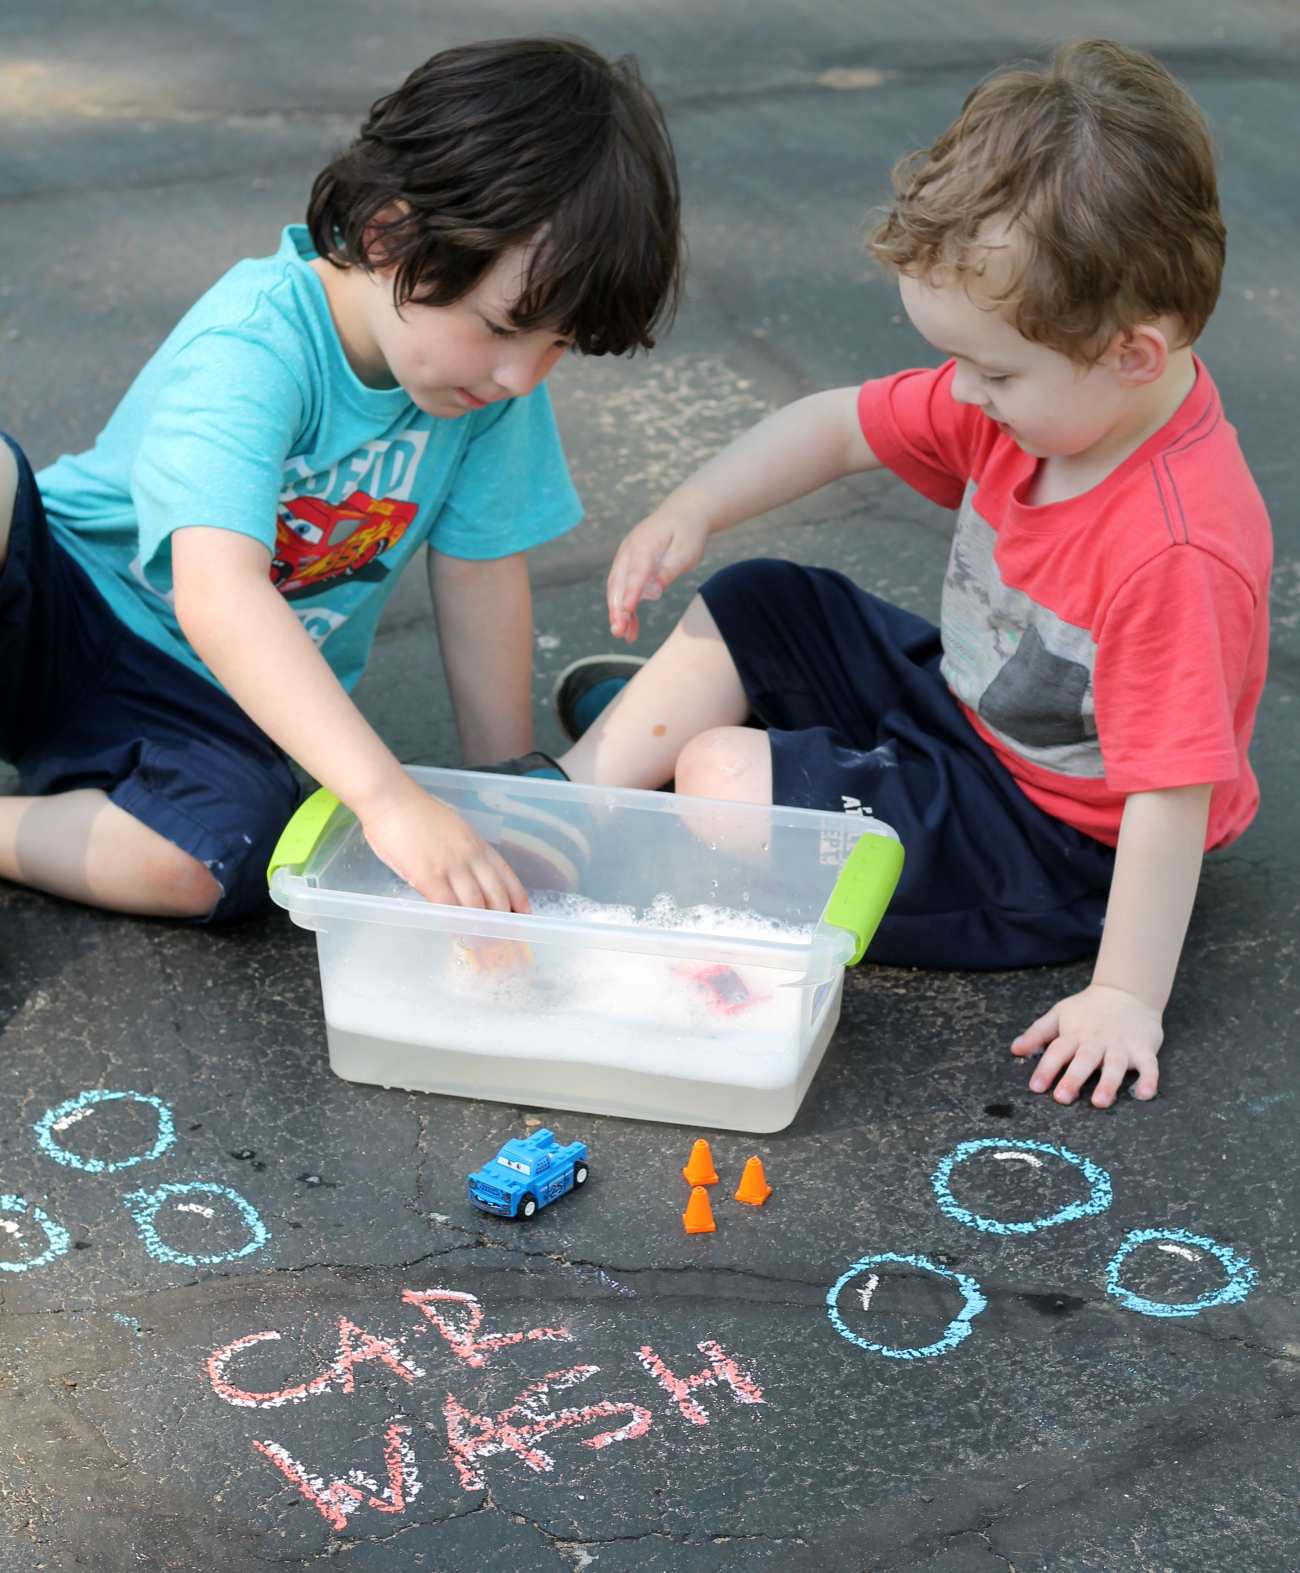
x: 248, y: 637
x: 800, y: 448
x: 1115, y: 1023
x: 485, y: 633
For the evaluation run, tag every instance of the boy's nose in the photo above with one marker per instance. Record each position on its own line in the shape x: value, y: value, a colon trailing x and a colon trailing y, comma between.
x: 519, y: 374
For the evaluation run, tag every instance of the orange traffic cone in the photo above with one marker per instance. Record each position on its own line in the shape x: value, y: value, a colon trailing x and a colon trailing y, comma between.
x: 753, y: 1184
x: 698, y: 1216
x: 700, y: 1170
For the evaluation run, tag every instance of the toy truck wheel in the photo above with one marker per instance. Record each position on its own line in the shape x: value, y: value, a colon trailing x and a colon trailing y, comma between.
x: 527, y: 1207
x: 580, y: 1174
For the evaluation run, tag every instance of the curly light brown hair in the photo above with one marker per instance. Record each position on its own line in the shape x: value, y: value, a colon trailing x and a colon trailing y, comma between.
x: 1099, y: 173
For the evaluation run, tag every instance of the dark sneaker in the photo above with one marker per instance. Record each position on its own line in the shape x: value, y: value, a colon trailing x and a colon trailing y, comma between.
x: 584, y: 688
x: 547, y: 846
x: 540, y: 765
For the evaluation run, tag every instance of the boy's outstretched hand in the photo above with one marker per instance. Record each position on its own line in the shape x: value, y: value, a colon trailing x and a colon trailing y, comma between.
x: 436, y: 852
x: 800, y: 448
x: 651, y: 556
x: 1100, y: 1027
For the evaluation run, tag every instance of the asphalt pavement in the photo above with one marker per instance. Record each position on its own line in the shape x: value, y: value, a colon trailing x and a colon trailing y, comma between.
x: 365, y: 1366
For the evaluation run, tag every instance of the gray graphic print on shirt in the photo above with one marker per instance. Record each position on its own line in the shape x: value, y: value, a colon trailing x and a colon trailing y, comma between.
x: 1017, y: 665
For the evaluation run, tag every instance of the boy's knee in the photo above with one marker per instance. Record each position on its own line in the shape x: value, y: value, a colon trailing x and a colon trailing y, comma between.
x: 182, y: 886
x: 731, y: 762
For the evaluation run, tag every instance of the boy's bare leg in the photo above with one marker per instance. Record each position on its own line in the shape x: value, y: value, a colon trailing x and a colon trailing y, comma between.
x: 680, y: 716
x: 8, y: 491
x: 81, y: 846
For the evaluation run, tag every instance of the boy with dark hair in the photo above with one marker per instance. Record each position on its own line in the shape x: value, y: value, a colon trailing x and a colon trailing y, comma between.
x: 1064, y: 748
x: 191, y: 601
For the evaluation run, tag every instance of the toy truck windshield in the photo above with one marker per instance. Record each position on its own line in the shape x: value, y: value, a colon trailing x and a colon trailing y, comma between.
x: 514, y: 1163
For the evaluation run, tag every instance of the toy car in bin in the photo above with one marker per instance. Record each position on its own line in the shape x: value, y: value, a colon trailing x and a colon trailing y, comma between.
x: 687, y: 967
x: 527, y: 1174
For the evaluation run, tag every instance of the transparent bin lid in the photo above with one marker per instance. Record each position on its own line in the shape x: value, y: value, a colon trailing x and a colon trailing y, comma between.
x: 611, y: 869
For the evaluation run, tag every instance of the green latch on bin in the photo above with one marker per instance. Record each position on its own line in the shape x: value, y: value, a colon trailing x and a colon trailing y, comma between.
x: 863, y: 890
x: 302, y: 832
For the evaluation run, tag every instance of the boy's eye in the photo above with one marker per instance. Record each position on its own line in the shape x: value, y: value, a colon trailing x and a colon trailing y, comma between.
x: 1001, y: 377
x: 497, y: 331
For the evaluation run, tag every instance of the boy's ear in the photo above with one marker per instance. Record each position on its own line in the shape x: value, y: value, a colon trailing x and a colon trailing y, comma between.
x: 386, y: 219
x: 1142, y: 354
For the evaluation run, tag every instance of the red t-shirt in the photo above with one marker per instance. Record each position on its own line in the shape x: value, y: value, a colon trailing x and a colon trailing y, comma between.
x: 1110, y: 644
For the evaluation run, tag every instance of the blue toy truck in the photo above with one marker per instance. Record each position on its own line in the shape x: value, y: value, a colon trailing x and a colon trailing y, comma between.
x: 528, y: 1174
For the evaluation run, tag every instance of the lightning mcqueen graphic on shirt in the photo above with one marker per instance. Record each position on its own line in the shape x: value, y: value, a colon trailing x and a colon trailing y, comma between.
x: 319, y: 544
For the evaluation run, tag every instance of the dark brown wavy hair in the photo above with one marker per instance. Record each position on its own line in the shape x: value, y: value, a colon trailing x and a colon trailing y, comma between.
x: 521, y: 141
x: 1102, y: 168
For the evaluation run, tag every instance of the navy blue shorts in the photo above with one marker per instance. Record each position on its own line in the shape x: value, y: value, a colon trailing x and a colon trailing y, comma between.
x: 84, y: 702
x: 858, y: 715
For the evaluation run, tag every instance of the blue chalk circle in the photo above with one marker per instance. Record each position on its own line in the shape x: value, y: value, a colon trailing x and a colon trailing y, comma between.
x: 57, y: 1237
x: 55, y: 1121
x: 1098, y: 1200
x: 1241, y: 1275
x: 953, y: 1334
x: 143, y: 1207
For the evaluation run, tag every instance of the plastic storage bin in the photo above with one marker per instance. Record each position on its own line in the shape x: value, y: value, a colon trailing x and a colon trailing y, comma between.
x: 682, y: 962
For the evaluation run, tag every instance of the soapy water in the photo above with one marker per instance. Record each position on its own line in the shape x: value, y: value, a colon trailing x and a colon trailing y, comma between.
x: 664, y: 913
x: 658, y: 1014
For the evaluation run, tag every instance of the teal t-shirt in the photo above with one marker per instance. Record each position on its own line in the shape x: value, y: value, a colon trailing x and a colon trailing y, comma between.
x: 249, y: 418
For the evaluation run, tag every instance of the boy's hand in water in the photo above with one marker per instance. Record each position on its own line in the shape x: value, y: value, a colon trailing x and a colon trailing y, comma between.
x: 1100, y: 1027
x: 656, y: 552
x: 434, y: 850
x: 242, y: 627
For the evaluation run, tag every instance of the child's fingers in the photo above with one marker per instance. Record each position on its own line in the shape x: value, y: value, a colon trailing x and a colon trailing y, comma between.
x: 622, y: 620
x: 644, y: 566
x: 615, y: 585
x: 1148, y: 1069
x: 633, y: 566
x: 1058, y: 1054
x: 492, y: 888
x: 515, y: 896
x: 622, y: 599
x: 1113, y: 1070
x: 438, y: 890
x: 1086, y: 1058
x: 1038, y: 1036
x: 465, y: 888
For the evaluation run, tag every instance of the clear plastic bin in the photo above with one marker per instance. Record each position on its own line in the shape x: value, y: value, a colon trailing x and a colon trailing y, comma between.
x: 680, y: 963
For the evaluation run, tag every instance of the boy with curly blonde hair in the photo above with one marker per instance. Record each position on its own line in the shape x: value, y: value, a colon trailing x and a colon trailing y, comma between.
x: 1061, y: 751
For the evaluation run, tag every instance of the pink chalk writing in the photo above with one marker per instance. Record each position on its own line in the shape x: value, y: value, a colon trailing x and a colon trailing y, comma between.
x: 338, y: 1500
x: 721, y: 1368
x: 517, y: 1428
x: 461, y: 1332
x: 355, y: 1347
